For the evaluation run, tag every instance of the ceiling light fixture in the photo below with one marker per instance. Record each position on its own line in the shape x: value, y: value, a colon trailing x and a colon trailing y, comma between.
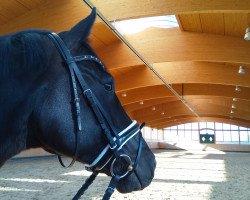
x: 237, y: 88
x: 162, y: 113
x: 247, y: 34
x: 235, y: 99
x: 233, y: 106
x: 232, y: 112
x: 124, y: 94
x: 141, y: 102
x: 242, y: 70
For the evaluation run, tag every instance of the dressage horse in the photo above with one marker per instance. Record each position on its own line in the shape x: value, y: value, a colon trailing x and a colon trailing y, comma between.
x: 67, y: 105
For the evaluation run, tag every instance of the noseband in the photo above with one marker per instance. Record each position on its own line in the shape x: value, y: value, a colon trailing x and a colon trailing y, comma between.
x: 111, y: 154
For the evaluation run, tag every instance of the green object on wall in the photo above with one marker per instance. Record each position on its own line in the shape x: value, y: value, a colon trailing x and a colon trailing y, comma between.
x: 207, y: 139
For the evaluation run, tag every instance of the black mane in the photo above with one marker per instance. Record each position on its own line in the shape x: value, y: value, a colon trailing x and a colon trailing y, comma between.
x: 22, y: 53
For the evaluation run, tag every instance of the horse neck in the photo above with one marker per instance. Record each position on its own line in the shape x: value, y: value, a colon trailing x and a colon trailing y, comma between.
x: 17, y: 103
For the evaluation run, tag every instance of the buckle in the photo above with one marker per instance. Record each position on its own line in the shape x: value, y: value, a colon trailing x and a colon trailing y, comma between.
x: 113, y: 147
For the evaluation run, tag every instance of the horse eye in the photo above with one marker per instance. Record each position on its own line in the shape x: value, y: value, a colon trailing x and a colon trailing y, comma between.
x: 108, y: 86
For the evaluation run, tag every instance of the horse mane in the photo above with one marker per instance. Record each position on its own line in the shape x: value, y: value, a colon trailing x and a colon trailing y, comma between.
x: 22, y: 53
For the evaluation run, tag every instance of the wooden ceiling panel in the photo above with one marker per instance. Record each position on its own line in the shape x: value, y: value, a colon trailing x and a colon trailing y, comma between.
x: 125, y: 9
x: 202, y: 72
x: 190, y: 22
x: 12, y: 8
x: 61, y: 15
x: 30, y: 4
x: 203, y: 59
x: 236, y: 24
x: 164, y: 110
x: 218, y: 106
x: 205, y: 106
x: 170, y: 45
x: 216, y: 90
x: 212, y: 23
x: 3, y: 19
x: 148, y: 103
x: 146, y: 93
x: 180, y: 72
x: 191, y: 46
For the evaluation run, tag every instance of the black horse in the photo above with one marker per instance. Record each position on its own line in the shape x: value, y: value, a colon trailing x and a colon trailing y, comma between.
x: 39, y: 107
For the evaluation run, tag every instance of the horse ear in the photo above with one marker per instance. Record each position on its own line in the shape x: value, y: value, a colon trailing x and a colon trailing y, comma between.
x: 80, y: 31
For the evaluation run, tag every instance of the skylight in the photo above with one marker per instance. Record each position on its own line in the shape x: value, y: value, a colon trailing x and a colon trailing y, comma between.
x: 132, y: 26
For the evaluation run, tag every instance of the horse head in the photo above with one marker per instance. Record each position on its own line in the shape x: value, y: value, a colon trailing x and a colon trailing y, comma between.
x: 83, y: 118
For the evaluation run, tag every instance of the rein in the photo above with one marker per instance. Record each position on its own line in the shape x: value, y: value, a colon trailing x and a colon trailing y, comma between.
x: 115, y: 140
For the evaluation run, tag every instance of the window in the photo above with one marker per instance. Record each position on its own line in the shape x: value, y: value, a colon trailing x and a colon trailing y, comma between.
x: 227, y: 136
x: 210, y: 125
x: 203, y: 125
x: 235, y: 136
x: 188, y: 126
x: 234, y: 127
x: 219, y: 136
x: 226, y: 126
x: 218, y: 126
x: 195, y: 125
x: 189, y: 132
x: 132, y: 26
x: 188, y: 135
x: 243, y: 136
x: 195, y: 135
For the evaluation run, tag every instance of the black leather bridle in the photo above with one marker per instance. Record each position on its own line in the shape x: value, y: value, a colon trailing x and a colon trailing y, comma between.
x: 111, y: 154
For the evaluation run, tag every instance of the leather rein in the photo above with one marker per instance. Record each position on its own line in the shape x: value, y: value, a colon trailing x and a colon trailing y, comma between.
x: 115, y: 140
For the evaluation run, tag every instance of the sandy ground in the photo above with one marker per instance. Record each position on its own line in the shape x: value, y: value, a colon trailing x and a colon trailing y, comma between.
x: 182, y: 175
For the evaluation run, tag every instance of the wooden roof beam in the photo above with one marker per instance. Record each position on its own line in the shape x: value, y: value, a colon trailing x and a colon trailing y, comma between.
x: 161, y: 91
x: 205, y: 106
x: 172, y: 45
x: 181, y: 72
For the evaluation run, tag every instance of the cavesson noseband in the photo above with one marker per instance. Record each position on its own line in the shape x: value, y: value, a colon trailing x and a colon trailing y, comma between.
x: 111, y: 154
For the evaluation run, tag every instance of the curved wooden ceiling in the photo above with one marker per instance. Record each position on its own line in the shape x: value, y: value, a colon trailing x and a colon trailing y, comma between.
x: 200, y: 60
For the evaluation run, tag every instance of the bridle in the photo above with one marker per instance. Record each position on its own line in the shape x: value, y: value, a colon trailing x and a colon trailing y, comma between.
x: 111, y: 154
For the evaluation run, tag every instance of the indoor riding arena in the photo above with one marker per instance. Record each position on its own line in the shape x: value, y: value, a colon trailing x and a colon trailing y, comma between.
x: 182, y: 67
